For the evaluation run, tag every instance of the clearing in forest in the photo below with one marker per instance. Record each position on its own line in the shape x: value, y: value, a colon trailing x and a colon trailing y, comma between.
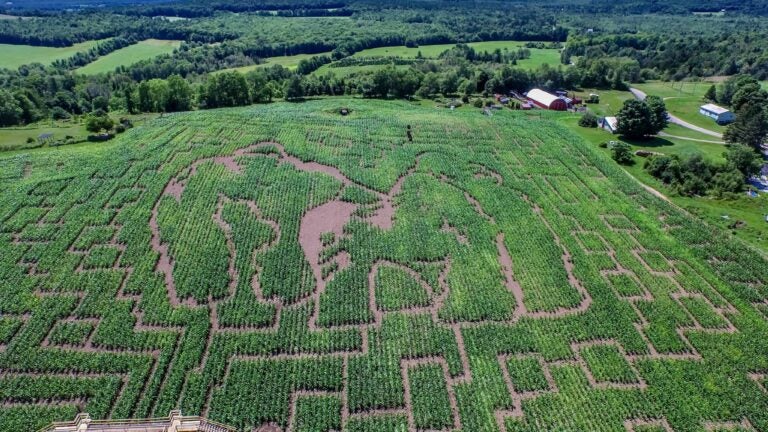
x: 284, y: 267
x: 14, y: 56
x: 129, y: 55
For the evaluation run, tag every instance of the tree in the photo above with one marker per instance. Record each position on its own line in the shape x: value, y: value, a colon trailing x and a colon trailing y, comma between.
x: 750, y: 127
x: 159, y: 95
x: 727, y: 181
x: 98, y: 121
x: 711, y: 94
x: 430, y: 85
x: 664, y: 168
x: 145, y: 97
x: 179, y: 94
x: 293, y: 88
x: 622, y: 153
x: 588, y: 120
x: 10, y: 111
x: 659, y: 116
x: 635, y: 119
x: 226, y: 89
x: 744, y: 159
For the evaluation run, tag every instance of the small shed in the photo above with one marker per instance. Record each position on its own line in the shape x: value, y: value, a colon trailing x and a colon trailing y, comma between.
x: 44, y: 137
x: 611, y: 124
x: 721, y: 115
x: 547, y: 100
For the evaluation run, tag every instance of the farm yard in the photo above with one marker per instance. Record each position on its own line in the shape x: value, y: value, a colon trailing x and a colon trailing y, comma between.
x: 283, y: 267
x: 129, y: 55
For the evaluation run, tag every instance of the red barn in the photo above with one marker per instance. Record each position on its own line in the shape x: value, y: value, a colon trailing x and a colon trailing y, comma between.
x: 546, y: 100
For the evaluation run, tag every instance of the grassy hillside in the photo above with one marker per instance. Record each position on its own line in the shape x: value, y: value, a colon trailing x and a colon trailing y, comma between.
x: 129, y: 55
x: 285, y: 265
x: 14, y: 56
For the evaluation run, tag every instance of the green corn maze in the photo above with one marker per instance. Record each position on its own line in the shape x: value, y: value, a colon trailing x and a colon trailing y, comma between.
x: 284, y: 267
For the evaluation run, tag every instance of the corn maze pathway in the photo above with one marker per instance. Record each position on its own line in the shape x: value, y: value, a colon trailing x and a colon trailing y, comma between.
x: 283, y: 268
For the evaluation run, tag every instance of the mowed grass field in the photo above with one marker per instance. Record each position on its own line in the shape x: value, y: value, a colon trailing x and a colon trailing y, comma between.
x: 13, y: 56
x: 129, y: 55
x: 16, y: 138
x: 683, y: 100
x: 283, y: 266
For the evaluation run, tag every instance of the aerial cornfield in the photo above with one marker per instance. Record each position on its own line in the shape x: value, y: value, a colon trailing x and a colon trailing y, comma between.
x: 284, y: 267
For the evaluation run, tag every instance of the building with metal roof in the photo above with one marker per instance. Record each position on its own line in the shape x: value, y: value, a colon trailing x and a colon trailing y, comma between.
x: 611, y: 124
x: 547, y: 100
x: 719, y: 114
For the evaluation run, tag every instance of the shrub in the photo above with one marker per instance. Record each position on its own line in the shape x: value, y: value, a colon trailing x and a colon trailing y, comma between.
x: 588, y: 120
x: 622, y: 153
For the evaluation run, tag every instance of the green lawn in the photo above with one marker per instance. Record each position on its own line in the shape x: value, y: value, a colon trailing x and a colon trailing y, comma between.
x: 683, y: 100
x: 538, y: 56
x: 129, y: 55
x: 611, y: 101
x: 14, y: 56
x: 752, y: 211
x: 15, y: 138
x: 680, y: 131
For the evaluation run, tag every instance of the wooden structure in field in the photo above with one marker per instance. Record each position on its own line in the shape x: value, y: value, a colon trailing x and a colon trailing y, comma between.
x: 175, y: 422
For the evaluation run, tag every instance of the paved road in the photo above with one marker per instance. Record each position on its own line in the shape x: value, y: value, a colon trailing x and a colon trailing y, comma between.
x: 640, y: 95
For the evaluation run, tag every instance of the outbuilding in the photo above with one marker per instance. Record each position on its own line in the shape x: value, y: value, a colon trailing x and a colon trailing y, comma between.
x: 611, y: 124
x: 546, y: 100
x: 721, y: 115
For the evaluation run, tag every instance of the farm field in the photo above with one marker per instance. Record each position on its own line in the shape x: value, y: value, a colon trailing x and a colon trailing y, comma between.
x: 129, y: 55
x: 538, y: 56
x: 283, y: 267
x: 14, y: 56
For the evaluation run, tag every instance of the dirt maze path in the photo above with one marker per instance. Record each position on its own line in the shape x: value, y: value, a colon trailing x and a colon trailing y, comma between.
x: 331, y: 217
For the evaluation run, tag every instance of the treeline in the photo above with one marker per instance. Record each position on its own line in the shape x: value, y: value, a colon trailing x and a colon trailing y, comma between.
x: 64, y: 30
x: 677, y: 57
x: 34, y: 93
x: 198, y: 9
